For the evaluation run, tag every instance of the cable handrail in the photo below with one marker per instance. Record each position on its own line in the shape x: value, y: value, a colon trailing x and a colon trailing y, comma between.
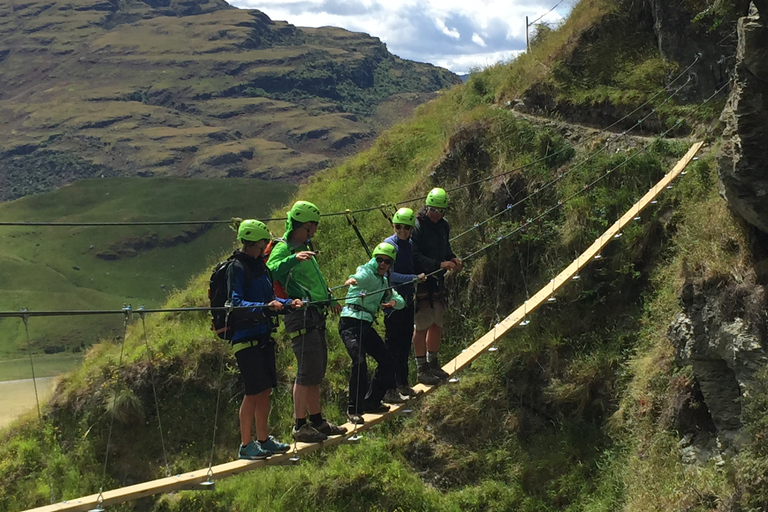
x: 332, y: 299
x: 563, y: 175
x: 462, y: 360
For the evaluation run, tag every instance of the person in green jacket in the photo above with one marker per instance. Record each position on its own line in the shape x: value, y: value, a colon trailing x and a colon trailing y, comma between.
x: 368, y: 291
x: 293, y: 264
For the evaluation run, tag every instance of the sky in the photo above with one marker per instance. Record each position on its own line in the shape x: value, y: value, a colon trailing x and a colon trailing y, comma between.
x: 459, y: 35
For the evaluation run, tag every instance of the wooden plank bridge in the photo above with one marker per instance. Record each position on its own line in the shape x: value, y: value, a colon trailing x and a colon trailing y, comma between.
x: 196, y: 478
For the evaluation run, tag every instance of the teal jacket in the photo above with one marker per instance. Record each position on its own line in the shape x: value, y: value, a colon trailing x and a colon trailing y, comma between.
x: 369, y: 282
x: 301, y: 279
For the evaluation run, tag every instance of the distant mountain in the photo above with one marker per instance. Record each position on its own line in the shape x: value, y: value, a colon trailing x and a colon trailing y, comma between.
x: 192, y: 88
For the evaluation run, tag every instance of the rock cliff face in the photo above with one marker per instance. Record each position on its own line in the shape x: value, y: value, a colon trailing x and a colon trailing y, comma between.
x: 744, y: 157
x: 721, y: 334
x: 682, y: 41
x: 721, y: 330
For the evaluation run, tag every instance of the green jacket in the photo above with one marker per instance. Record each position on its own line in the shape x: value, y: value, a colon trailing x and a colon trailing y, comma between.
x: 301, y: 279
x: 369, y: 281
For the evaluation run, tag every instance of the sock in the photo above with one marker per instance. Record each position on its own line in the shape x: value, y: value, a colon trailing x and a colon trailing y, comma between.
x: 421, y: 360
x: 431, y: 356
x: 300, y: 422
x: 316, y: 419
x: 264, y: 441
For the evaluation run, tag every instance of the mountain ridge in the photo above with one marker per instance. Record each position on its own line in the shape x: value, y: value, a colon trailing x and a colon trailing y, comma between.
x: 192, y: 89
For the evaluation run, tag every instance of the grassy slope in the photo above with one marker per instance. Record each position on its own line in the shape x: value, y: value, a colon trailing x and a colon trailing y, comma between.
x: 535, y: 428
x: 58, y: 267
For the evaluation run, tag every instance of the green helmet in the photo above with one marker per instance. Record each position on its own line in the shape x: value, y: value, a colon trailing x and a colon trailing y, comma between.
x: 252, y: 230
x: 385, y: 249
x: 437, y: 198
x: 304, y: 211
x: 404, y: 216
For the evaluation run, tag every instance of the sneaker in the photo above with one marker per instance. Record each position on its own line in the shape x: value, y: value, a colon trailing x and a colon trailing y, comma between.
x: 406, y: 391
x: 355, y: 418
x: 437, y: 371
x: 273, y: 446
x: 392, y: 397
x: 308, y: 434
x: 329, y: 429
x: 252, y: 451
x: 425, y: 375
x: 379, y: 408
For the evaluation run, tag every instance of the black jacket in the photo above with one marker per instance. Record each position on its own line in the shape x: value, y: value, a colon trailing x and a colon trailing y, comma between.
x: 431, y: 247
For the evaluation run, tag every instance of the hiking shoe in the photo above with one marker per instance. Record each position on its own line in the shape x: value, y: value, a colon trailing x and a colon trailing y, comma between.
x: 393, y: 397
x: 425, y: 375
x: 252, y: 451
x: 273, y: 446
x: 308, y: 434
x: 437, y: 371
x: 379, y: 408
x: 406, y: 391
x: 329, y: 429
x: 355, y: 418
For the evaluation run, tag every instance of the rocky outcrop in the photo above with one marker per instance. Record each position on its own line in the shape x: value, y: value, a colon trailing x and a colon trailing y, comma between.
x: 721, y: 334
x: 742, y: 161
x: 681, y: 41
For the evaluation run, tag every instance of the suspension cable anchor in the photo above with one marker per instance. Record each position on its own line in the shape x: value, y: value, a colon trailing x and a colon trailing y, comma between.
x: 208, y: 484
x: 99, y: 503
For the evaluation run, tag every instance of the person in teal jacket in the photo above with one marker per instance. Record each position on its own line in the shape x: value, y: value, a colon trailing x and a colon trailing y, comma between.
x: 368, y: 292
x: 293, y: 265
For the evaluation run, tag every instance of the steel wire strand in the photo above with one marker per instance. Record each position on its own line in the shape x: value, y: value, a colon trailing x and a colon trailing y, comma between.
x: 154, y: 390
x: 469, y: 256
x: 549, y: 11
x: 218, y: 401
x: 589, y: 185
x: 37, y: 401
x: 563, y: 175
x: 127, y: 312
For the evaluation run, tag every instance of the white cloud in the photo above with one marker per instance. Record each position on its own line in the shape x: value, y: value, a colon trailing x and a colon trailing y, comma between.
x: 478, y: 40
x: 450, y: 32
x: 456, y: 34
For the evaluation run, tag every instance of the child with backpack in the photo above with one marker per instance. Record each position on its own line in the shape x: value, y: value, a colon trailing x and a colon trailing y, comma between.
x: 249, y: 286
x: 367, y: 293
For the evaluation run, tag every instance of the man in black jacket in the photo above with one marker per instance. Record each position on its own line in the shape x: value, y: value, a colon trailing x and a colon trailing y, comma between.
x: 431, y: 252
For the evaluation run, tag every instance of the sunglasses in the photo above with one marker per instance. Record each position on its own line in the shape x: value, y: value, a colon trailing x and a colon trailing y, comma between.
x: 403, y: 226
x: 385, y: 261
x: 440, y: 211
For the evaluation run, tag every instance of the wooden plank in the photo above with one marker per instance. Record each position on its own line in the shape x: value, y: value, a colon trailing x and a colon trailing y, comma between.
x: 187, y: 480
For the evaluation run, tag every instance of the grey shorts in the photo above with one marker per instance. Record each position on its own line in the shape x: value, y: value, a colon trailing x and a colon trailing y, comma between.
x: 309, y: 346
x: 428, y: 315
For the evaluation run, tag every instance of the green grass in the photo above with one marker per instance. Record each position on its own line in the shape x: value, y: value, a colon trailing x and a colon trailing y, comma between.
x: 54, y: 268
x: 558, y: 419
x: 46, y: 365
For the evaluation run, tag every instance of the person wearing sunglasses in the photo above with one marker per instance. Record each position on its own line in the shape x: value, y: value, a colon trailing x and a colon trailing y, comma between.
x: 431, y: 252
x: 399, y: 323
x: 368, y: 292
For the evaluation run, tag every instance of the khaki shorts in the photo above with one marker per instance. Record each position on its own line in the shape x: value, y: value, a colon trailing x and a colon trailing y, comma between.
x: 428, y: 315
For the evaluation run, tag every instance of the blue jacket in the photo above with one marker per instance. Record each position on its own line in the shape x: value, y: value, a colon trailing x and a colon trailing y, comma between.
x: 250, y: 323
x: 403, y: 271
